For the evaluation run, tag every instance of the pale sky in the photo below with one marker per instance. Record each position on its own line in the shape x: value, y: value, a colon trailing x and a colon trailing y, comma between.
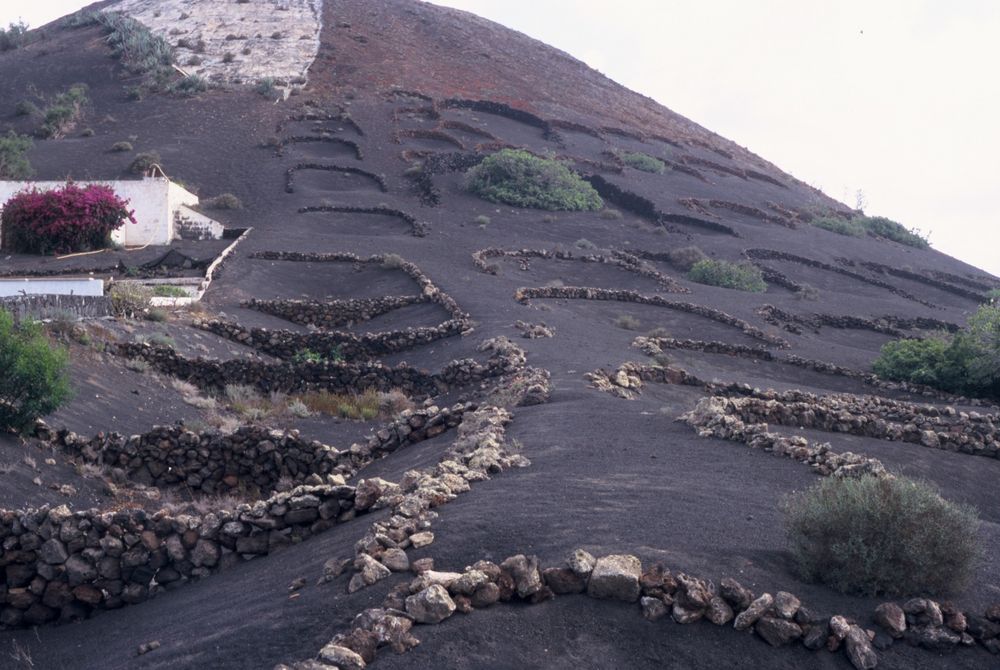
x: 896, y: 98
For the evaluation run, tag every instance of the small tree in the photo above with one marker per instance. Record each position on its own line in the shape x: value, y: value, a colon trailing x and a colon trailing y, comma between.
x: 882, y: 535
x: 33, y: 380
x: 64, y: 220
x: 516, y: 177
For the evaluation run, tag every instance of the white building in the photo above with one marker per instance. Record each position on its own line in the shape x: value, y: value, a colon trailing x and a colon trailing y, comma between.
x: 162, y: 210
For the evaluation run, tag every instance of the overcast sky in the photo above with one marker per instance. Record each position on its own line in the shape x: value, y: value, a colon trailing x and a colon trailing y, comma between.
x: 896, y: 98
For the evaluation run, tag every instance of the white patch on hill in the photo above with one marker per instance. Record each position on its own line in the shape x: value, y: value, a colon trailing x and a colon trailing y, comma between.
x: 236, y: 41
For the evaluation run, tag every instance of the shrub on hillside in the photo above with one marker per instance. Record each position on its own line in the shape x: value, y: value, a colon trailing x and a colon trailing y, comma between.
x: 643, y: 162
x: 65, y: 111
x: 14, y: 162
x: 130, y: 300
x: 138, y: 49
x: 881, y: 535
x: 64, y: 220
x: 222, y: 201
x: 967, y: 362
x: 739, y: 276
x: 889, y: 229
x: 835, y: 224
x: 516, y: 177
x: 144, y: 161
x: 33, y: 379
x: 190, y: 85
x: 685, y: 258
x: 13, y: 36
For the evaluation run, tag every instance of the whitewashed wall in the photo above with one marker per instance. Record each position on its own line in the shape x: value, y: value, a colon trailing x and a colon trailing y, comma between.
x: 85, y: 286
x: 154, y: 199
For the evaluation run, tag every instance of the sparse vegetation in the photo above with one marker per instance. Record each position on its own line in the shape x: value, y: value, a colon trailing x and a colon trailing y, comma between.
x: 27, y: 108
x: 686, y: 258
x: 611, y: 215
x: 190, y: 85
x: 585, y: 244
x: 129, y: 300
x: 482, y: 220
x: 222, y: 201
x: 64, y: 113
x: 13, y: 36
x: 628, y: 322
x: 739, y: 276
x: 643, y: 162
x: 14, y: 163
x: 878, y: 226
x: 64, y: 220
x: 33, y: 379
x: 881, y: 535
x: 168, y: 291
x: 516, y: 177
x: 267, y: 87
x: 967, y: 362
x: 121, y: 147
x: 138, y: 49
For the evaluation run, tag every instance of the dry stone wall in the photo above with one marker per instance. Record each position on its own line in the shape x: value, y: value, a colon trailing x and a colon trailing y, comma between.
x: 332, y: 313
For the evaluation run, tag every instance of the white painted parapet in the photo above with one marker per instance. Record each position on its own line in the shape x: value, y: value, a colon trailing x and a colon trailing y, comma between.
x: 85, y: 286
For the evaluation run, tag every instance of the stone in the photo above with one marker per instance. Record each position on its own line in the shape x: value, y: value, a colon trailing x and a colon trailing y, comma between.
x: 362, y: 642
x: 205, y: 553
x: 653, y: 608
x: 859, y: 649
x: 735, y: 593
x: 882, y: 641
x: 53, y: 552
x: 839, y: 627
x: 719, y: 612
x: 432, y: 605
x: 57, y: 595
x: 890, y: 616
x: 982, y: 628
x: 755, y: 611
x: 993, y: 645
x: 657, y: 581
x: 776, y: 631
x: 815, y: 636
x: 615, y: 577
x: 924, y: 611
x: 147, y: 647
x: 396, y: 560
x: 524, y: 571
x: 467, y: 584
x: 422, y: 565
x: 371, y: 571
x: 582, y: 563
x: 341, y: 657
x: 934, y: 638
x: 786, y: 604
x: 993, y: 613
x: 486, y: 595
x: 954, y: 618
x: 682, y: 614
x: 694, y: 593
x: 422, y: 539
x: 79, y: 571
x: 564, y: 580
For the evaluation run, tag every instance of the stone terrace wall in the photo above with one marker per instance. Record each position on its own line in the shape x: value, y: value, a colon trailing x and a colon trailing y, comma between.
x: 333, y: 313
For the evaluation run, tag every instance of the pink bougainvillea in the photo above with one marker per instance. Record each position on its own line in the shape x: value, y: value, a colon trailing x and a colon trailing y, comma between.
x: 64, y: 220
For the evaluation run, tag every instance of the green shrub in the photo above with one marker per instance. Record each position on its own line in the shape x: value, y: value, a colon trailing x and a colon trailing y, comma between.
x: 840, y: 226
x: 121, y: 147
x: 223, y: 201
x: 138, y: 49
x: 190, y: 85
x: 27, y: 108
x: 611, y: 215
x: 267, y: 87
x: 516, y: 177
x: 889, y: 229
x: 628, y: 322
x: 33, y: 380
x: 881, y: 535
x: 482, y: 220
x: 168, y: 291
x: 739, y: 276
x: 643, y: 162
x: 686, y: 258
x: 62, y: 115
x: 15, y: 35
x: 14, y: 163
x: 144, y: 161
x: 967, y: 362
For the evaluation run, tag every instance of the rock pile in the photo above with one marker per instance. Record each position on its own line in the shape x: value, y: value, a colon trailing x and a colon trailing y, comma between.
x: 780, y: 619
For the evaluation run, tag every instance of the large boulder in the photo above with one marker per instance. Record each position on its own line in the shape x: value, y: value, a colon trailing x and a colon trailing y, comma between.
x: 777, y: 631
x: 432, y: 605
x: 890, y: 616
x: 859, y: 649
x: 616, y: 577
x: 755, y: 611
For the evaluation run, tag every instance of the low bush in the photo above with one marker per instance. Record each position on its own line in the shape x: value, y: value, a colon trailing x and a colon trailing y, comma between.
x: 121, y: 147
x: 518, y: 178
x: 685, y: 258
x: 14, y: 163
x: 628, y: 322
x: 130, y: 300
x: 267, y: 87
x: 881, y: 535
x: 33, y: 379
x: 840, y: 226
x: 643, y: 162
x: 27, y: 108
x: 223, y: 201
x: 66, y: 110
x: 878, y: 226
x: 739, y: 276
x: 967, y: 362
x: 611, y: 215
x: 190, y: 85
x: 138, y: 48
x: 64, y: 220
x: 144, y: 161
x: 168, y: 291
